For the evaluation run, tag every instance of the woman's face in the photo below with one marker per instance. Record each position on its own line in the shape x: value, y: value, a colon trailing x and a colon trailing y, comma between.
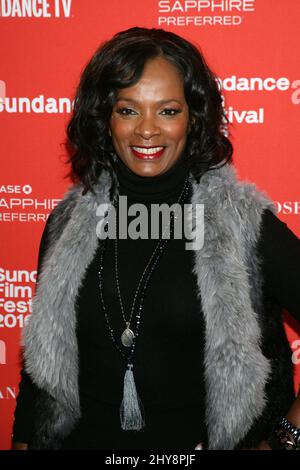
x: 149, y: 121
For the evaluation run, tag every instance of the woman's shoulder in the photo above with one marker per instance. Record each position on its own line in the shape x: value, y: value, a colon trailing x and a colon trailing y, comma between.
x: 61, y: 213
x: 241, y: 200
x: 67, y: 202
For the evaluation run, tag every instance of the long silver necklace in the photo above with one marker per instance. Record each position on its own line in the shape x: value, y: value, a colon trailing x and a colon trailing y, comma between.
x: 131, y: 409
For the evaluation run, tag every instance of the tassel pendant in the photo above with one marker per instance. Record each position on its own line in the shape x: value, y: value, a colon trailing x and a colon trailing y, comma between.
x: 130, y: 410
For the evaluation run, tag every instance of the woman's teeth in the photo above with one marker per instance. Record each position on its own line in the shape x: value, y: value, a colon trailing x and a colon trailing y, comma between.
x: 150, y: 151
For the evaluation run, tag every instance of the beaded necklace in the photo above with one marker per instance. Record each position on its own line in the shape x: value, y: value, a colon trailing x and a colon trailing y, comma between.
x: 131, y: 409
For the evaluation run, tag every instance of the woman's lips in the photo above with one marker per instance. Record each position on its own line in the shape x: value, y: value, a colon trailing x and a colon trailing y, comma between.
x: 143, y: 156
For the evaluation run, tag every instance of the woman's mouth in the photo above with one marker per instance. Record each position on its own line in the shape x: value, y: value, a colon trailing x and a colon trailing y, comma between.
x: 147, y: 153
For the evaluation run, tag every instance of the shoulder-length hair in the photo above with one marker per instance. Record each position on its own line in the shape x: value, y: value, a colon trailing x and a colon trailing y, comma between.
x: 119, y: 63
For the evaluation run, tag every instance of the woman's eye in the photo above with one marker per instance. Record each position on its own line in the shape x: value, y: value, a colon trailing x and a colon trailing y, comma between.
x: 171, y: 111
x: 121, y: 111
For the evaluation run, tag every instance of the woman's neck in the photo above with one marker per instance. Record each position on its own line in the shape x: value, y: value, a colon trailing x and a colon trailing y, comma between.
x: 164, y: 187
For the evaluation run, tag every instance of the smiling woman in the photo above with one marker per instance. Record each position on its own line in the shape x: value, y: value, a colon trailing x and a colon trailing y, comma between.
x: 140, y: 343
x: 157, y: 90
x: 148, y: 130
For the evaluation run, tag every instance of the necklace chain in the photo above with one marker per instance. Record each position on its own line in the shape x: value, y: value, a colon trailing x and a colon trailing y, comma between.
x: 147, y: 265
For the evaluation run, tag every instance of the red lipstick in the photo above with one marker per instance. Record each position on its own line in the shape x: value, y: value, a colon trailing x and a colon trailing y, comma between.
x: 148, y: 156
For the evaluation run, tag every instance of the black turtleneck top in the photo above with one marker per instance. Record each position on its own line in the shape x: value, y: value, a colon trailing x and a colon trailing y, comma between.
x: 168, y: 359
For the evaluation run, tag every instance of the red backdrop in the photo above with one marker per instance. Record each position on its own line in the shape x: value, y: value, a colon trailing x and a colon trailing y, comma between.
x: 250, y: 44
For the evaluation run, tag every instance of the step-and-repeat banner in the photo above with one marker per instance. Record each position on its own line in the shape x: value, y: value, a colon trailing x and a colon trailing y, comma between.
x: 251, y: 45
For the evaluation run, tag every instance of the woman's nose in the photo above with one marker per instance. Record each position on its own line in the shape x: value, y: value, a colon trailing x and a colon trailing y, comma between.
x: 147, y: 127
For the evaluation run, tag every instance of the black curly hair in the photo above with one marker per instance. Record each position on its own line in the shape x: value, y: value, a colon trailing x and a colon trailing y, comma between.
x: 119, y: 63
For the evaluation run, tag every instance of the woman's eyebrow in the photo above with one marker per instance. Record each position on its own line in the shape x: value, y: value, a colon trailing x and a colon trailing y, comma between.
x: 131, y: 100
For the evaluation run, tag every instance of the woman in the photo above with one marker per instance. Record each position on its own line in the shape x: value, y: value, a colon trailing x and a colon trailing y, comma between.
x: 140, y: 343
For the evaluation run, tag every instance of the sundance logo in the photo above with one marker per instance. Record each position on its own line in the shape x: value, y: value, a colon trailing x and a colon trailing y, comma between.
x: 38, y: 105
x: 35, y: 8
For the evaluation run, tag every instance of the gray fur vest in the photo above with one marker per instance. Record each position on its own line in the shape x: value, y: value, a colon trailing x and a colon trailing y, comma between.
x: 248, y: 372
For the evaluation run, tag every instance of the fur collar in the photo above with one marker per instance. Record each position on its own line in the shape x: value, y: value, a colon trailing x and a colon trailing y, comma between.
x: 236, y: 371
